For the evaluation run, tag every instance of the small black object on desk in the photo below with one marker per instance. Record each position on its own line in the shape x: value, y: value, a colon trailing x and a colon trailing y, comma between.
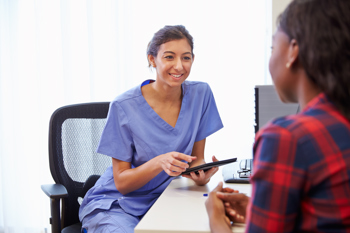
x: 239, y: 172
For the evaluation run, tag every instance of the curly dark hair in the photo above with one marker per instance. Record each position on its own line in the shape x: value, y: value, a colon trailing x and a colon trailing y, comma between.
x: 166, y: 34
x: 322, y: 31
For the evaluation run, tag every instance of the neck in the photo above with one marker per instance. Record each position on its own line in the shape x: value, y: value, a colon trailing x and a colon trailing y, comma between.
x: 166, y: 93
x: 306, y: 90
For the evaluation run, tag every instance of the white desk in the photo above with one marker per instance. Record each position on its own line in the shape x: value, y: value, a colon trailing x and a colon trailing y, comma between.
x: 181, y: 208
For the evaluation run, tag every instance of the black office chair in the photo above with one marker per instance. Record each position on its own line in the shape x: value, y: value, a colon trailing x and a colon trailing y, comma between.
x: 75, y: 166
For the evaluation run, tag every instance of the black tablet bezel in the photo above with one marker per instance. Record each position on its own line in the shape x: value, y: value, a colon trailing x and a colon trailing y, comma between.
x: 207, y: 166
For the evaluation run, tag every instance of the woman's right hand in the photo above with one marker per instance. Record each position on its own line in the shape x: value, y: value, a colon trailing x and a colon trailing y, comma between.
x: 172, y: 163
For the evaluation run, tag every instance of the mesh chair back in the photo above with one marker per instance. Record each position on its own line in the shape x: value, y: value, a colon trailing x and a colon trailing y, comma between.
x: 74, y: 134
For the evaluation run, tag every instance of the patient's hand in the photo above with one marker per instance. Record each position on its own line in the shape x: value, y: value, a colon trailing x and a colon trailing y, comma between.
x: 218, y: 220
x: 235, y: 204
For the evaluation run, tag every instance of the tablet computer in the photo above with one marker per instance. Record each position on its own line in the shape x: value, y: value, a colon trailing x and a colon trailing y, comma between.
x: 205, y: 167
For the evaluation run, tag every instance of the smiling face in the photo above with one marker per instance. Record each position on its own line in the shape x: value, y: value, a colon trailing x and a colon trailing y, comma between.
x: 173, y: 62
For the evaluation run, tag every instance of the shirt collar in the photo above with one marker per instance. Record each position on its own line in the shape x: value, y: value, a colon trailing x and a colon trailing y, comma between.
x: 319, y: 99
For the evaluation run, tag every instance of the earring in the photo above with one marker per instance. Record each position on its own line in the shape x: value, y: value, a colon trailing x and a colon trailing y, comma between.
x: 287, y: 65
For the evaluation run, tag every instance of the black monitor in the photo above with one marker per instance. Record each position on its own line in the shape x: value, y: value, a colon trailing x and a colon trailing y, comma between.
x: 268, y: 106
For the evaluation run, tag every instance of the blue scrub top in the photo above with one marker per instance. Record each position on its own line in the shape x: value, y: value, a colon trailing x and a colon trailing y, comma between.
x: 135, y: 133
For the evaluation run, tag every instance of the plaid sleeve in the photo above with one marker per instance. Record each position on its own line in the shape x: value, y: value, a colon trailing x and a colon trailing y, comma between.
x: 277, y: 182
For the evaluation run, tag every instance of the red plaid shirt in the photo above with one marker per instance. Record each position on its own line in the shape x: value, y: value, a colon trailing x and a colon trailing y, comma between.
x: 301, y: 180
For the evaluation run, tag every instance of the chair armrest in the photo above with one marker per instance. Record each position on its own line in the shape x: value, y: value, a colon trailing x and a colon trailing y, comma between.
x: 54, y: 191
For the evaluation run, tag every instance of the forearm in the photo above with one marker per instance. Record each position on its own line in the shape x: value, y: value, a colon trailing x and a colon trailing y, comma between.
x: 219, y: 225
x: 197, y: 162
x: 129, y: 180
x: 198, y: 152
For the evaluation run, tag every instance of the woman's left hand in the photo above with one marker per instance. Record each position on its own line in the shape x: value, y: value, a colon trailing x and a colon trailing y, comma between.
x: 203, y: 177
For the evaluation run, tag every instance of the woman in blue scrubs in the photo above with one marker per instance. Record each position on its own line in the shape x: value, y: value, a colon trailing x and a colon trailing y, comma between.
x: 154, y: 132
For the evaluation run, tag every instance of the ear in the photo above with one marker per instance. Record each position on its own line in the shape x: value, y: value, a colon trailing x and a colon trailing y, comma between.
x: 151, y: 61
x: 293, y: 53
x: 192, y: 57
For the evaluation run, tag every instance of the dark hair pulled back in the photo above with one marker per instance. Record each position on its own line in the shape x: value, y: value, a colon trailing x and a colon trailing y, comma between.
x: 322, y: 31
x: 166, y: 34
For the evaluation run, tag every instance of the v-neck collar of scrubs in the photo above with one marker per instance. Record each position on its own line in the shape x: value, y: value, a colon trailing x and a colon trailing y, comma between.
x: 160, y: 120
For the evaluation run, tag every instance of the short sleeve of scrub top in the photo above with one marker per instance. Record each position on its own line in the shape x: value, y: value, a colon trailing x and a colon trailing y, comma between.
x: 116, y: 139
